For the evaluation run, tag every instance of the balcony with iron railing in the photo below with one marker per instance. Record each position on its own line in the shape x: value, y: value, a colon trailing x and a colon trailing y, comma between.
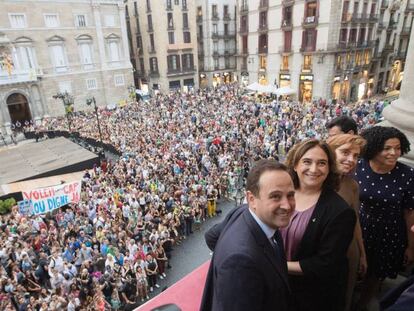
x: 401, y: 55
x: 283, y: 49
x: 288, y: 2
x: 244, y: 9
x: 224, y: 52
x: 286, y: 24
x: 151, y: 50
x: 215, y: 16
x: 262, y: 50
x: 380, y: 26
x: 226, y: 17
x: 310, y: 21
x: 223, y: 35
x: 154, y: 74
x: 392, y: 25
x: 150, y: 28
x: 243, y: 52
x: 184, y: 7
x: 243, y: 30
x: 169, y: 7
x: 199, y: 18
x: 262, y: 28
x: 170, y: 27
x: 19, y: 76
x: 384, y: 4
x: 140, y: 73
x: 263, y: 5
x: 405, y: 31
x: 307, y: 48
x: 360, y: 18
x: 373, y: 18
x: 388, y: 48
x: 410, y: 6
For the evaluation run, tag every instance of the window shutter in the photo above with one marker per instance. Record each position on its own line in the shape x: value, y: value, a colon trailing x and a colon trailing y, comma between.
x: 315, y: 32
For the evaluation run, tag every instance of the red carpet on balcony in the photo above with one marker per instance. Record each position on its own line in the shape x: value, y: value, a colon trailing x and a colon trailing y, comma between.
x: 186, y: 293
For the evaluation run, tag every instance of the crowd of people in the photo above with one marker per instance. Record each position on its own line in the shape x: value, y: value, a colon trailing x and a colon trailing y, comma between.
x: 181, y: 152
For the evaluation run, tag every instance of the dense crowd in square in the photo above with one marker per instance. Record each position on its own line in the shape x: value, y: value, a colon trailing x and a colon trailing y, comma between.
x: 181, y: 152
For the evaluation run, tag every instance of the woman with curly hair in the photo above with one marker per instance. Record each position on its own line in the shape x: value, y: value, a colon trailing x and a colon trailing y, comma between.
x: 387, y: 207
x: 320, y: 231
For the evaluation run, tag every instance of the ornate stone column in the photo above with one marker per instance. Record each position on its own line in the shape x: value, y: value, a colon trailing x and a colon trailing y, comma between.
x: 400, y: 113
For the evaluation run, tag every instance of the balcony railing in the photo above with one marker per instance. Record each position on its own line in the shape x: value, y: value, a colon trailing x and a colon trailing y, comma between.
x: 19, y: 76
x: 388, y: 48
x: 405, y: 31
x: 410, y: 6
x: 199, y: 18
x: 151, y: 50
x: 264, y: 4
x: 224, y: 52
x: 243, y: 30
x: 310, y: 21
x: 384, y: 4
x: 263, y: 28
x: 381, y: 25
x: 373, y: 18
x: 215, y: 16
x: 262, y: 50
x: 140, y: 73
x: 401, y: 55
x: 305, y: 48
x: 150, y: 28
x: 171, y: 27
x: 392, y: 25
x: 360, y: 18
x: 181, y: 71
x: 285, y: 49
x: 244, y: 8
x: 287, y: 2
x: 286, y: 24
x: 353, y: 44
x: 226, y: 17
x: 223, y: 35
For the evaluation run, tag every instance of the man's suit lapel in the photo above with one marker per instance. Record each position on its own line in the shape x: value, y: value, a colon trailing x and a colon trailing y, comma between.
x: 268, y: 250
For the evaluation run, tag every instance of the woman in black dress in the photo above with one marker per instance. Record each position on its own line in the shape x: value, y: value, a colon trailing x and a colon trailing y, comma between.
x: 386, y: 192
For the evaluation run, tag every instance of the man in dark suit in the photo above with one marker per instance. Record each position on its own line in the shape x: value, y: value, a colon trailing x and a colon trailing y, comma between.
x: 248, y: 270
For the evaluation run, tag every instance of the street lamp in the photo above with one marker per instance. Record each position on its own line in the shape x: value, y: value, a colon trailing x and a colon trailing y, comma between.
x: 68, y: 102
x: 89, y: 102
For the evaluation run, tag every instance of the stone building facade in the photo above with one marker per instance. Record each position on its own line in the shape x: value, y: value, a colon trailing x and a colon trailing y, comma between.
x: 216, y: 36
x: 323, y: 48
x: 79, y: 47
x: 163, y: 41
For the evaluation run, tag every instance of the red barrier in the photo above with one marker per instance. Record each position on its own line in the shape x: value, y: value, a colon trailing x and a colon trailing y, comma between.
x: 186, y: 293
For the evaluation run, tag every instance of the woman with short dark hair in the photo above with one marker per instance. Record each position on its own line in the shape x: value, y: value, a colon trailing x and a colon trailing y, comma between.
x: 387, y: 206
x: 321, y: 229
